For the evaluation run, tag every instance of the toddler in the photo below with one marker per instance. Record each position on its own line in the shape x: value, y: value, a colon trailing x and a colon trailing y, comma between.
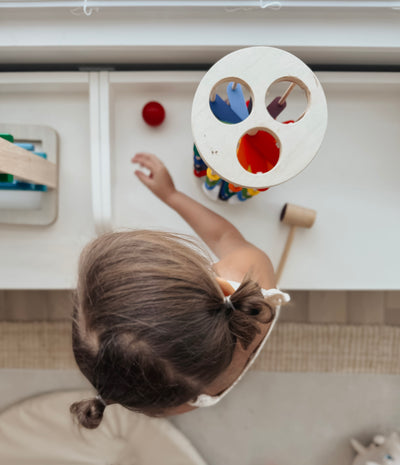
x: 158, y: 327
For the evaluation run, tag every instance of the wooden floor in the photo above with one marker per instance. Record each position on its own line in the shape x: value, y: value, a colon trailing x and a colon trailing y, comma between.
x: 35, y: 305
x: 343, y: 307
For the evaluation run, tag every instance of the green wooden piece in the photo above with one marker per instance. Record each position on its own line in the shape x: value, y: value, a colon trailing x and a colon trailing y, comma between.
x: 4, y: 177
x: 8, y: 137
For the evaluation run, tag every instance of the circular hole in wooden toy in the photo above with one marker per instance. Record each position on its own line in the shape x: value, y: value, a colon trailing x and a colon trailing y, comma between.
x: 258, y: 151
x: 287, y: 100
x: 231, y: 100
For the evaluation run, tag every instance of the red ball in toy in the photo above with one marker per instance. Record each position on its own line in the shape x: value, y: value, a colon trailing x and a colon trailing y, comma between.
x: 153, y: 113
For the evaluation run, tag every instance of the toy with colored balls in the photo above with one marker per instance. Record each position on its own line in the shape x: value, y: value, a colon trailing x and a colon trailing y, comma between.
x: 240, y: 139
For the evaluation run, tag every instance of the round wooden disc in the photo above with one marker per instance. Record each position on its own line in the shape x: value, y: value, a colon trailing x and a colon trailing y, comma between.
x: 258, y: 68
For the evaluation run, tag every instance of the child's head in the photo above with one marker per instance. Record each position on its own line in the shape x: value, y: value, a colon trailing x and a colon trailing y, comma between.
x: 151, y: 329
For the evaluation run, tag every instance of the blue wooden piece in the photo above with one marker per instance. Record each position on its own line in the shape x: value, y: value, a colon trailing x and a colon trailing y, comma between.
x: 25, y: 145
x: 41, y: 154
x: 22, y: 186
x: 223, y: 111
x: 237, y: 101
x: 225, y: 193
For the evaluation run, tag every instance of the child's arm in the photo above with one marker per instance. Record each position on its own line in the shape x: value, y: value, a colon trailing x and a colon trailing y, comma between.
x: 220, y: 235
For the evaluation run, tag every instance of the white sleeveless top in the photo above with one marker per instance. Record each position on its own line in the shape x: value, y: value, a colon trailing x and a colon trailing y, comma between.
x: 275, y: 298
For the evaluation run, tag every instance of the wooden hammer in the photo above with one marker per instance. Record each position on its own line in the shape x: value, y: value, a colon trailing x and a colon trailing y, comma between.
x: 294, y: 216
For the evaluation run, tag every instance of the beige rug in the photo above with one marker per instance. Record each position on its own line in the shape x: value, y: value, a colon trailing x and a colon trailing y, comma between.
x: 292, y: 347
x: 43, y: 345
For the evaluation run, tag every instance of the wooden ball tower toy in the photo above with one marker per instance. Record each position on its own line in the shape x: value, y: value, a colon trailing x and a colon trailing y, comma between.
x: 240, y: 146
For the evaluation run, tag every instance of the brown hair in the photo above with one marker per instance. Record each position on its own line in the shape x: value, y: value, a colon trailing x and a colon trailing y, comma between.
x: 151, y: 328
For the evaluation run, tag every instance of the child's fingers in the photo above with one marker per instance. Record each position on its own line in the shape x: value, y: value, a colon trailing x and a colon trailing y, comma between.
x: 146, y: 180
x: 139, y: 156
x: 146, y: 159
x: 141, y: 160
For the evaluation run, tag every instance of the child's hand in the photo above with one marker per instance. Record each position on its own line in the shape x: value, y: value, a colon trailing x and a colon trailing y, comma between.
x: 159, y: 180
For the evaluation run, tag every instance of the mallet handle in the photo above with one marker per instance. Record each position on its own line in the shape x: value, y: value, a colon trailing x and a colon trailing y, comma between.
x: 286, y: 94
x: 285, y: 254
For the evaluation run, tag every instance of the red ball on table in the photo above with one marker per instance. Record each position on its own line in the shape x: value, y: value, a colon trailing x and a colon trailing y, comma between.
x: 153, y: 113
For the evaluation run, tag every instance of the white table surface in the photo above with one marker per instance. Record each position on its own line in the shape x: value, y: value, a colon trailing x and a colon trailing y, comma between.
x: 37, y: 257
x: 352, y: 183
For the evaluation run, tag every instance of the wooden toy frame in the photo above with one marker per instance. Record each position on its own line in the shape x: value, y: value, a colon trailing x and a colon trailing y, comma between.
x: 259, y: 68
x: 47, y: 173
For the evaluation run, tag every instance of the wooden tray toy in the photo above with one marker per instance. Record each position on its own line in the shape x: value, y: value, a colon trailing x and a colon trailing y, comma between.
x: 35, y: 200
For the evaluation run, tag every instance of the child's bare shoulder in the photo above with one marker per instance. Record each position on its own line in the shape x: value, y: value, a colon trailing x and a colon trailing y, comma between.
x: 247, y: 258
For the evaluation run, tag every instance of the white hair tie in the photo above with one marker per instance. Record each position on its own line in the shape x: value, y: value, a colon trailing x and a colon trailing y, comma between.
x: 228, y: 303
x: 99, y: 398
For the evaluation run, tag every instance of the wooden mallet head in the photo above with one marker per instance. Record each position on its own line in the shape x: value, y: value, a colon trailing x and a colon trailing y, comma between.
x: 294, y: 216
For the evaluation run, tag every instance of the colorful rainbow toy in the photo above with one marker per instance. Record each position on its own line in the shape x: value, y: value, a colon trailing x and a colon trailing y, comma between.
x: 240, y: 141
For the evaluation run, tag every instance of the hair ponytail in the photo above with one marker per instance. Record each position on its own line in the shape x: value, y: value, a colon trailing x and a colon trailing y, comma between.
x: 89, y: 413
x: 248, y: 309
